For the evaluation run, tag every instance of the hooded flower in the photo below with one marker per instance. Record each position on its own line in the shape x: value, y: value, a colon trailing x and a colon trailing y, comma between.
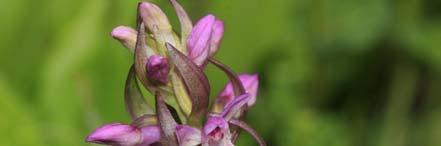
x: 204, y: 39
x: 124, y: 135
x: 216, y: 132
x: 251, y: 85
x: 172, y: 68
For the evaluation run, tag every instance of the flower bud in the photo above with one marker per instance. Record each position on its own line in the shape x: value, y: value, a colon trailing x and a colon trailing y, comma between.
x: 199, y: 40
x: 216, y: 37
x: 124, y: 135
x: 157, y: 69
x: 116, y: 134
x: 157, y: 22
x: 126, y: 36
x: 153, y: 17
x: 251, y: 85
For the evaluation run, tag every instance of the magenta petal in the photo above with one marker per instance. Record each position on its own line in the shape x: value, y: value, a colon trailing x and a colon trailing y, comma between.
x: 198, y: 40
x: 150, y: 134
x: 188, y: 136
x: 158, y: 69
x: 251, y: 85
x: 116, y: 134
x: 216, y: 36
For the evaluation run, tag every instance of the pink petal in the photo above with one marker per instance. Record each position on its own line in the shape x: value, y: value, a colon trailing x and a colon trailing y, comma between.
x: 115, y: 134
x: 235, y: 106
x: 251, y: 84
x: 150, y: 134
x: 216, y: 37
x: 199, y: 40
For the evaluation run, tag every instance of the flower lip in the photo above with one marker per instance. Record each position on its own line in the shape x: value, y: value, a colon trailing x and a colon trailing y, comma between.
x: 187, y: 135
x: 216, y: 134
x: 214, y: 124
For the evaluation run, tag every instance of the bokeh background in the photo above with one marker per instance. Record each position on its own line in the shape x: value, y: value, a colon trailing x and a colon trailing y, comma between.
x: 333, y: 72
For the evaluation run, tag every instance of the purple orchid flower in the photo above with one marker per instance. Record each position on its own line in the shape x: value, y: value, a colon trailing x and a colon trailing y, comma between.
x: 171, y: 68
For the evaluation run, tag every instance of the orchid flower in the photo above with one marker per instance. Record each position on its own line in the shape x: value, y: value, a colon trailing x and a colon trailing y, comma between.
x: 172, y: 68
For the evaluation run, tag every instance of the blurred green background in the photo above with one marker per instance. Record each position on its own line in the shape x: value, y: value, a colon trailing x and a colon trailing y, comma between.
x: 333, y: 72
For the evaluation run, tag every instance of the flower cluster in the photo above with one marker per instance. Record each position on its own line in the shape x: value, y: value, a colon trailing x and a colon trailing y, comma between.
x: 171, y: 68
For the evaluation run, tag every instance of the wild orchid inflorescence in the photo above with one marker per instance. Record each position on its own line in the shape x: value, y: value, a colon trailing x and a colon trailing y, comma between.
x: 171, y: 68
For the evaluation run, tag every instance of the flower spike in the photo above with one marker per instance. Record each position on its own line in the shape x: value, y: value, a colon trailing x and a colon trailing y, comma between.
x: 172, y: 68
